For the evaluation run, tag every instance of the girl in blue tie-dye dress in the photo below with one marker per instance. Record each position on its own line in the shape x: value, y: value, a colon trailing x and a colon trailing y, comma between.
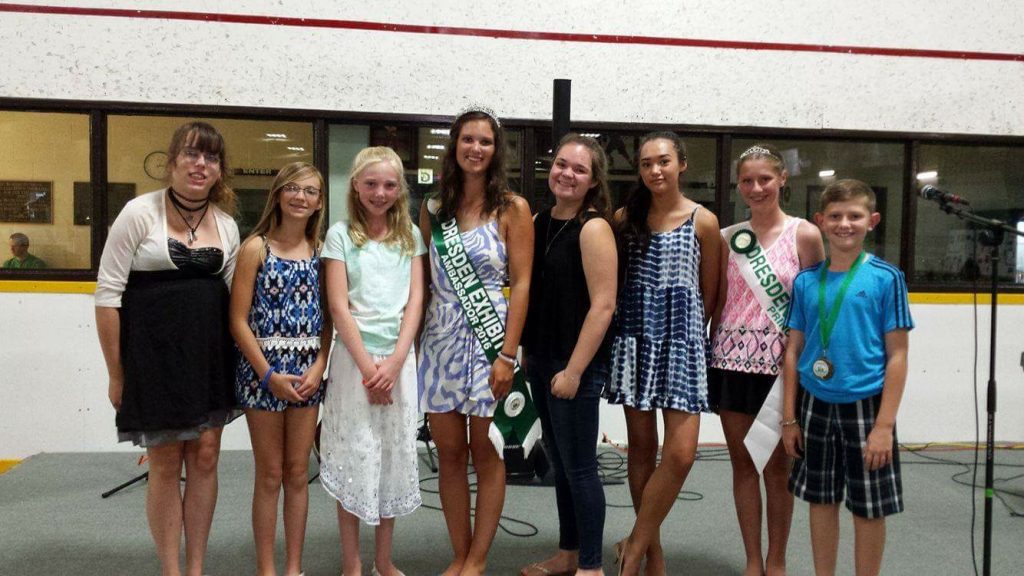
x: 670, y: 246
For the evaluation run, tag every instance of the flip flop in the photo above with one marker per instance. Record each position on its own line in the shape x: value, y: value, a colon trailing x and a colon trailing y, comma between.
x: 539, y: 570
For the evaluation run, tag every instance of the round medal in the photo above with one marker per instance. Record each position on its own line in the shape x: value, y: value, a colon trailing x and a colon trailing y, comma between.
x: 514, y: 404
x: 743, y: 241
x: 822, y: 368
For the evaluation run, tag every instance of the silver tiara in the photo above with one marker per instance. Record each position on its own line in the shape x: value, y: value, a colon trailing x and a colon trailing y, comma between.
x: 479, y: 108
x: 760, y: 151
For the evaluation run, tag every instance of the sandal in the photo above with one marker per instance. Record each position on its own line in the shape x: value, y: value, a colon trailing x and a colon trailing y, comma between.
x: 538, y: 569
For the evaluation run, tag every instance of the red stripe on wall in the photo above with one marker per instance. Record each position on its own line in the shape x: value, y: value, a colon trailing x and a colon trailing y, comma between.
x: 510, y: 34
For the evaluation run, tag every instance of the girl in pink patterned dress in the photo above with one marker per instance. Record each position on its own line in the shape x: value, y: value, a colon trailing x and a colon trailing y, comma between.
x: 748, y: 344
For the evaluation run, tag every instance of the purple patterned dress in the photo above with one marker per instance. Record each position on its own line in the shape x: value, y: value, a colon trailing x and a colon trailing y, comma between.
x: 453, y: 369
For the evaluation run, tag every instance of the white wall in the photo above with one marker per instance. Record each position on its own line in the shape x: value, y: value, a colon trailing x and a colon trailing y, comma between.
x: 53, y: 384
x: 149, y: 60
x: 54, y: 381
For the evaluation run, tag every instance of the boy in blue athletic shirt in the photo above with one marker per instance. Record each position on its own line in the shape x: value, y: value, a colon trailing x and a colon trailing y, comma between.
x: 846, y: 363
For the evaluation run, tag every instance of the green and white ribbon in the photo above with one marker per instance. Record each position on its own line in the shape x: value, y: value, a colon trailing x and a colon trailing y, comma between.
x: 757, y: 272
x: 515, y: 418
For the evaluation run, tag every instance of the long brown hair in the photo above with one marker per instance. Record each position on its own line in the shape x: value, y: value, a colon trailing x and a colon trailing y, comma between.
x: 208, y: 140
x: 634, y: 227
x: 271, y: 217
x: 400, y: 229
x: 497, y: 196
x: 598, y: 198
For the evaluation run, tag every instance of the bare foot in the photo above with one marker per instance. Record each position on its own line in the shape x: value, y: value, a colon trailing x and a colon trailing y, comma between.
x: 453, y: 569
x: 655, y: 561
x: 472, y: 569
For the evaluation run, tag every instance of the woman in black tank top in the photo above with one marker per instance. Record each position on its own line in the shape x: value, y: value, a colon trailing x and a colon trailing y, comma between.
x: 572, y: 298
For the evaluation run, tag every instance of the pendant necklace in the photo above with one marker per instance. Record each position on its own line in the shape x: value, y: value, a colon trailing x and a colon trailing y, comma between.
x: 551, y: 239
x: 187, y: 220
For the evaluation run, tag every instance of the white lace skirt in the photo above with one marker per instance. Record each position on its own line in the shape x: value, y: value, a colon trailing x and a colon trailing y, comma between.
x: 368, y: 451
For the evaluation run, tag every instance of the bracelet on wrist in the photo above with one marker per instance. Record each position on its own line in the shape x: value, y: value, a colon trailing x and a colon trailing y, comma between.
x: 266, y: 378
x: 792, y: 422
x: 510, y: 359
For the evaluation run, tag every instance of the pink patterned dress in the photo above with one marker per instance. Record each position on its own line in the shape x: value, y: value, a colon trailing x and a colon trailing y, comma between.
x: 746, y: 339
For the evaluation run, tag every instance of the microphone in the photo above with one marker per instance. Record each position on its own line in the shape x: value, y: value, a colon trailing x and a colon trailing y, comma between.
x: 930, y: 192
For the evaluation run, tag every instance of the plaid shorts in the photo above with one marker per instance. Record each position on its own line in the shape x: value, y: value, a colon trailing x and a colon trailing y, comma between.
x: 834, y: 439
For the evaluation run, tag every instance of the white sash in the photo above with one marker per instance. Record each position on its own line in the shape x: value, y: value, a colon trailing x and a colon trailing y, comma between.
x: 756, y: 270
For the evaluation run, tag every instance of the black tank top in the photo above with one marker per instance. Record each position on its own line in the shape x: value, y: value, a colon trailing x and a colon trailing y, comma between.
x: 559, y: 300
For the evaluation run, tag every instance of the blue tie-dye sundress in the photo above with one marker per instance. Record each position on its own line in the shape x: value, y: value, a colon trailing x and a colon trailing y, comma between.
x: 659, y: 348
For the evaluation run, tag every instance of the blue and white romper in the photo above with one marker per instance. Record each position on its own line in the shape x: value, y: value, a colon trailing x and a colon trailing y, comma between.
x: 659, y: 350
x: 287, y: 320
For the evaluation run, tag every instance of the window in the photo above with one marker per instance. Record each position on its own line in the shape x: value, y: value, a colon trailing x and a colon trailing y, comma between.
x: 421, y: 149
x: 42, y: 157
x: 256, y: 150
x: 814, y: 164
x: 622, y: 149
x: 947, y: 249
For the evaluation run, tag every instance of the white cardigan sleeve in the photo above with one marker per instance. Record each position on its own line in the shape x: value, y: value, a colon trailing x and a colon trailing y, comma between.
x: 229, y: 237
x: 130, y: 228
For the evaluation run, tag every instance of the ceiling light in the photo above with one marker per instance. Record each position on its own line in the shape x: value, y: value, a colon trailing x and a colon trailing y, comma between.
x: 826, y: 173
x: 928, y: 175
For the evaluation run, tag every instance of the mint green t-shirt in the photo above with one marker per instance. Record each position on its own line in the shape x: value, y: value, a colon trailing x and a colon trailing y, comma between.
x: 378, y: 284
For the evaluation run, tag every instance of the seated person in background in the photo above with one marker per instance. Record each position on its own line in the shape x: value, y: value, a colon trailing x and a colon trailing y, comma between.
x: 22, y: 259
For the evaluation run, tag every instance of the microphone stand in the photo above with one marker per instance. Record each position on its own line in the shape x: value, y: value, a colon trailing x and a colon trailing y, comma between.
x: 992, y: 236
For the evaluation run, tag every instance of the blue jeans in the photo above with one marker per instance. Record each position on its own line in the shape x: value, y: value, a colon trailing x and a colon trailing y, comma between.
x: 570, y: 437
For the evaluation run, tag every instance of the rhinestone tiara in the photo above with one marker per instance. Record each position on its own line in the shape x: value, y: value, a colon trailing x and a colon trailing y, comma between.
x: 760, y: 151
x: 479, y: 108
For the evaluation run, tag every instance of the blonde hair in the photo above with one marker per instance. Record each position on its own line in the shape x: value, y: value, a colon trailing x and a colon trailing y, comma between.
x: 765, y: 152
x: 399, y: 222
x: 271, y: 217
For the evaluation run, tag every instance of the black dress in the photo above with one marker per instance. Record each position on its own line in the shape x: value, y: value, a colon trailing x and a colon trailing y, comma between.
x: 176, y: 350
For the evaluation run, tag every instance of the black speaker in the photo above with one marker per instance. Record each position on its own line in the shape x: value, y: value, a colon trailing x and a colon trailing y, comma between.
x: 523, y: 470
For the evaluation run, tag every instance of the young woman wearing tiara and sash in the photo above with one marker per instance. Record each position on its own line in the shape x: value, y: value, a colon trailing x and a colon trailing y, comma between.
x: 763, y: 256
x: 484, y: 231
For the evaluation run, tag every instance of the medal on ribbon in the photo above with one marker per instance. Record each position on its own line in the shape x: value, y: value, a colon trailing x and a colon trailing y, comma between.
x: 823, y: 367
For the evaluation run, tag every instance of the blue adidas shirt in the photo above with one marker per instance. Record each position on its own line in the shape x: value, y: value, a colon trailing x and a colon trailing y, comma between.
x: 875, y: 303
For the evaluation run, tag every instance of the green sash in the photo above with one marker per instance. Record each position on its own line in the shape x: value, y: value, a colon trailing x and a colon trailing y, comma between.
x: 515, y: 418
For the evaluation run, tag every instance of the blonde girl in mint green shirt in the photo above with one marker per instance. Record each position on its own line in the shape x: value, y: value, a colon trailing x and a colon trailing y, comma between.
x: 374, y: 268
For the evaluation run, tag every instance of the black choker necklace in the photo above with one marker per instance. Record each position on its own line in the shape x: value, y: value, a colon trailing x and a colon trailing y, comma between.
x: 178, y: 201
x: 187, y: 219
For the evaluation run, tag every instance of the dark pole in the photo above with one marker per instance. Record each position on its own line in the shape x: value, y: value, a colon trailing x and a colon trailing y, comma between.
x: 560, y: 110
x: 993, y: 237
x: 992, y: 234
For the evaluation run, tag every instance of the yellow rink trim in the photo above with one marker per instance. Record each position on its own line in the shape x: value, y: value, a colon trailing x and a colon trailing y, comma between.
x: 6, y: 465
x: 962, y: 298
x: 47, y: 287
x: 62, y: 287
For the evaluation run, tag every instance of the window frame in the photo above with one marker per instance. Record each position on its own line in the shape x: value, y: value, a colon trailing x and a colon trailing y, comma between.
x: 321, y: 120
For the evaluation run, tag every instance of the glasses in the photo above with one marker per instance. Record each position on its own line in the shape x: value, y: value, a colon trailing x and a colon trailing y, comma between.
x: 293, y: 189
x: 192, y: 155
